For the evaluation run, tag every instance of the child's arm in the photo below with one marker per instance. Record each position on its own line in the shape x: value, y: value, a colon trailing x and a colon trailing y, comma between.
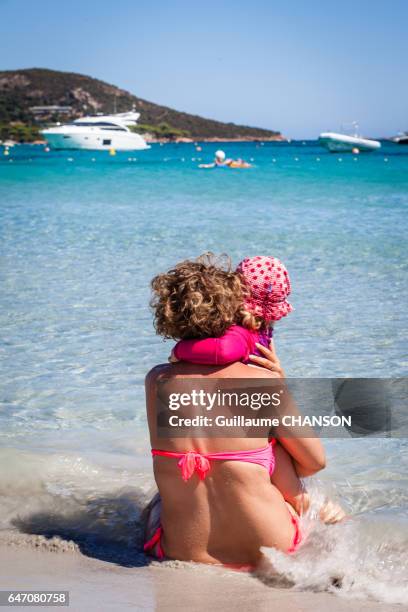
x: 232, y: 346
x: 285, y: 478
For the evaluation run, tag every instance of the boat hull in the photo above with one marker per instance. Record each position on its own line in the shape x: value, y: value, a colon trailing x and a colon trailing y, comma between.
x: 401, y: 140
x: 94, y: 141
x: 343, y: 143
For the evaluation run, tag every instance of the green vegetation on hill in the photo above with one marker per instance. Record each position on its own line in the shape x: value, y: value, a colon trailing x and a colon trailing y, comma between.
x: 20, y: 90
x: 163, y: 130
x: 19, y: 132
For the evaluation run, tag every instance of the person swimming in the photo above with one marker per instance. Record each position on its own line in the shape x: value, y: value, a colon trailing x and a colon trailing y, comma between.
x: 221, y: 161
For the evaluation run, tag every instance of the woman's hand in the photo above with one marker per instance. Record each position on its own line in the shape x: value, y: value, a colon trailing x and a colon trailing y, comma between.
x: 270, y: 361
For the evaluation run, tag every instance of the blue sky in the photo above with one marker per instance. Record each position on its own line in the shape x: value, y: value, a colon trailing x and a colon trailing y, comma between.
x: 299, y: 66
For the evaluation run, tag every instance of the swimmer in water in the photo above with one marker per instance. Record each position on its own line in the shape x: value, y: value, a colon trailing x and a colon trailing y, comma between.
x: 220, y: 160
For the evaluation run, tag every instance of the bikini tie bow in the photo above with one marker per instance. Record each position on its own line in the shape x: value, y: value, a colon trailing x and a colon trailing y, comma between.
x: 193, y: 462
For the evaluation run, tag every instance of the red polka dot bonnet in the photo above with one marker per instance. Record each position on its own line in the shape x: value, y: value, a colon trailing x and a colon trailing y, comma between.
x: 269, y: 285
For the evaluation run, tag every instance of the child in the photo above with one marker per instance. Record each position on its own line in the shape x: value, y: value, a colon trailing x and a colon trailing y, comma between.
x: 266, y: 286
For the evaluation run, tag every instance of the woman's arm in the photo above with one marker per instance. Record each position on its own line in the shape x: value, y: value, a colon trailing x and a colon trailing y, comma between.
x: 232, y: 346
x: 307, y: 453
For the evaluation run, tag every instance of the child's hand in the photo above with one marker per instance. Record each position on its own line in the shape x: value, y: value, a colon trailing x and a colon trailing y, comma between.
x: 172, y: 358
x: 270, y: 361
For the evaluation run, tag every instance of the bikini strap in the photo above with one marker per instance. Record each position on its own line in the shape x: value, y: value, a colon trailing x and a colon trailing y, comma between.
x: 192, y: 461
x: 297, y: 538
x: 155, y: 540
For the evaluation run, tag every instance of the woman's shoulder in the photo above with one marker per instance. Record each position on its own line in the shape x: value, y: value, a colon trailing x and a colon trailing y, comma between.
x: 188, y: 370
x: 157, y: 372
x: 181, y: 369
x: 241, y: 370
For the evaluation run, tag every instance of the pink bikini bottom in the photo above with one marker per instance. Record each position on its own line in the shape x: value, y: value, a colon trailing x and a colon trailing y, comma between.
x: 154, y: 548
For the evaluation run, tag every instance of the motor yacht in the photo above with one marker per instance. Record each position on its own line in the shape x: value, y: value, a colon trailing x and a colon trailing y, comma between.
x: 97, y: 132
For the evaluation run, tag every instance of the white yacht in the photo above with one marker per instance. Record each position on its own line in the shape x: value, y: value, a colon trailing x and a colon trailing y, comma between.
x: 401, y: 138
x: 97, y: 132
x: 339, y: 142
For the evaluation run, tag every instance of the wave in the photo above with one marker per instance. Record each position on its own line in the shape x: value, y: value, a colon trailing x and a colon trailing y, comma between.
x: 364, y: 557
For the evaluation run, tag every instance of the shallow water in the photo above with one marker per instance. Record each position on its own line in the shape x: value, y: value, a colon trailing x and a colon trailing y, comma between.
x: 82, y: 234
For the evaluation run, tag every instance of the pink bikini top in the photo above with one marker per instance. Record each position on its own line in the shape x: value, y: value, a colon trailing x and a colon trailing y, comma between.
x: 192, y: 461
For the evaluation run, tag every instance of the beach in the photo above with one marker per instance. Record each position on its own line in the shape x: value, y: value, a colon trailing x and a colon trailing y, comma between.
x: 97, y: 585
x: 82, y: 234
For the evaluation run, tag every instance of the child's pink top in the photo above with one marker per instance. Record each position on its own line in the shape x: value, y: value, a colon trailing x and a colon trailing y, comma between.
x: 235, y: 345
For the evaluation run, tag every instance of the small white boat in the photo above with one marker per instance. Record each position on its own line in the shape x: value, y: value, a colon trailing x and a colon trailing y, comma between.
x: 338, y: 142
x: 401, y: 138
x: 97, y: 133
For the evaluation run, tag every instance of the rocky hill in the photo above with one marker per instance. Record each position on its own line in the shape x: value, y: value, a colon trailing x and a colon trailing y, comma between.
x: 23, y: 90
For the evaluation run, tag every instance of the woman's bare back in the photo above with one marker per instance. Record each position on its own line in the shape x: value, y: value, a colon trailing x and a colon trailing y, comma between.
x: 235, y: 510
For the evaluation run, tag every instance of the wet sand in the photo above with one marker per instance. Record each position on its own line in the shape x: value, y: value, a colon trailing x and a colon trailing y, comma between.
x: 99, y: 585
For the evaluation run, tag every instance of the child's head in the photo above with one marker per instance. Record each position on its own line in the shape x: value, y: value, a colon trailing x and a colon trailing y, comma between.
x: 267, y: 285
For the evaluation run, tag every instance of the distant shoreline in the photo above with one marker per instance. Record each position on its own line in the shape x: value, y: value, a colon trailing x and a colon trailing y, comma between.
x: 278, y: 138
x: 183, y: 140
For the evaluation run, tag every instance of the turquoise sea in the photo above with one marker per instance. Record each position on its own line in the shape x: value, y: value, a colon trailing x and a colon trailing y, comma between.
x: 82, y: 234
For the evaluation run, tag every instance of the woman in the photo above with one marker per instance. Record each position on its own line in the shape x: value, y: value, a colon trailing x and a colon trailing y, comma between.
x: 224, y: 508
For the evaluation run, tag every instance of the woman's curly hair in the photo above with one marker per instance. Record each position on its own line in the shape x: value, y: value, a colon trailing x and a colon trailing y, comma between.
x: 197, y: 299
